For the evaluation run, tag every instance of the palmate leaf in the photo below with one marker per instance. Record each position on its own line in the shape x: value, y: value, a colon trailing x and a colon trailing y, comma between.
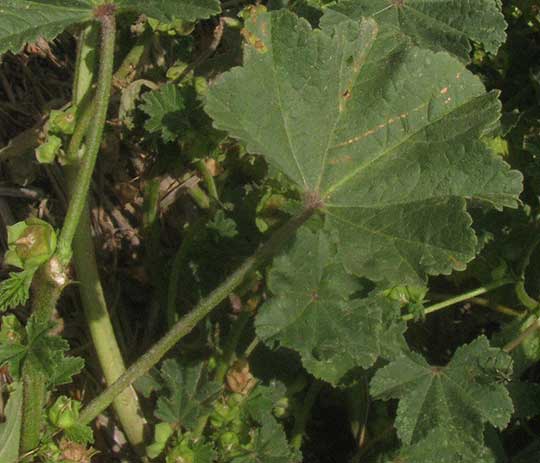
x: 386, y: 134
x: 45, y: 352
x: 442, y: 410
x: 167, y: 10
x: 190, y: 393
x: 15, y: 290
x: 312, y: 311
x: 165, y: 110
x: 23, y: 21
x: 439, y: 25
x: 269, y: 445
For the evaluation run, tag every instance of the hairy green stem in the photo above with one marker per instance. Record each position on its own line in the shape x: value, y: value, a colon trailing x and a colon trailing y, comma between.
x: 48, y: 284
x: 462, y: 297
x: 93, y: 300
x: 84, y: 119
x: 34, y: 390
x: 189, y: 321
x: 302, y: 416
x: 126, y: 404
x: 103, y: 91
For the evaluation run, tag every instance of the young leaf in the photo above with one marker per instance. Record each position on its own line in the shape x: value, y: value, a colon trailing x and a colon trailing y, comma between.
x: 168, y: 10
x: 439, y: 26
x: 385, y: 134
x: 23, y: 21
x: 190, y: 392
x: 443, y: 410
x: 47, y: 353
x: 165, y: 108
x: 269, y: 445
x: 15, y: 290
x: 312, y: 312
x: 10, y: 429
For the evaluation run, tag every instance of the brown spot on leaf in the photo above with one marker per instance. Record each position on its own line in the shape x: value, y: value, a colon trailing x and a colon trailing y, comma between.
x: 340, y: 160
x: 398, y: 3
x: 253, y: 40
x: 314, y: 296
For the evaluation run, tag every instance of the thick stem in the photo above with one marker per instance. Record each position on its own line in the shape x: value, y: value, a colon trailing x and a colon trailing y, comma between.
x: 462, y: 297
x: 34, y: 389
x: 103, y: 91
x: 126, y: 404
x: 49, y: 282
x: 91, y: 291
x: 189, y: 321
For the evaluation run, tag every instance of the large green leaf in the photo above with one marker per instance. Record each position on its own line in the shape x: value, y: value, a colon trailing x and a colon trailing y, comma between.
x: 441, y: 408
x: 388, y: 135
x: 23, y: 21
x: 439, y: 25
x: 10, y: 430
x: 167, y: 10
x: 312, y: 311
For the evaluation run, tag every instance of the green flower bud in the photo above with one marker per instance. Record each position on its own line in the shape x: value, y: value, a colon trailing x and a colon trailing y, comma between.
x: 212, y: 363
x: 201, y: 86
x: 281, y: 408
x: 31, y: 243
x: 182, y: 453
x: 12, y: 331
x: 64, y: 413
x: 228, y: 440
x: 46, y: 152
x: 218, y: 418
x: 63, y: 122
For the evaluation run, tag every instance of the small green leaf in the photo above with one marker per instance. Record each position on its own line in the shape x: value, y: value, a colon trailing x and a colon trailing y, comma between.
x: 439, y: 26
x: 444, y: 409
x: 269, y: 446
x: 223, y: 225
x: 47, y: 353
x: 190, y: 393
x: 312, y: 310
x: 387, y: 135
x: 80, y: 433
x: 23, y: 21
x: 10, y: 429
x: 15, y: 290
x: 165, y: 108
x: 168, y: 10
x: 47, y: 151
